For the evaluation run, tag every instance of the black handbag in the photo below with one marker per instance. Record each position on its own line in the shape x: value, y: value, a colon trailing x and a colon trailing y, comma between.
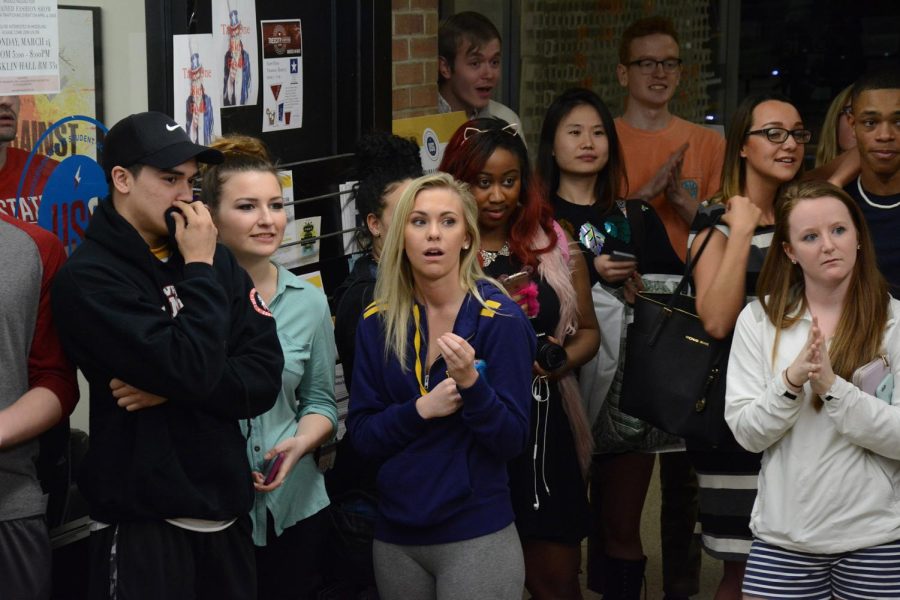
x: 674, y: 370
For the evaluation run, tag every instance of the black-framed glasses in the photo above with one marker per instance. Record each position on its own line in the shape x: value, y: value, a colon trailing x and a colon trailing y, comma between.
x: 648, y: 65
x: 778, y: 135
x: 511, y: 129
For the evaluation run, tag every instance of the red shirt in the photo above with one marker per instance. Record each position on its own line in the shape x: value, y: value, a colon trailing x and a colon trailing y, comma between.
x: 39, y: 171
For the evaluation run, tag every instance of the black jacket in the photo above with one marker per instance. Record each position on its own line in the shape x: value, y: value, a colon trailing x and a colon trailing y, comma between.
x: 195, y: 334
x: 350, y: 300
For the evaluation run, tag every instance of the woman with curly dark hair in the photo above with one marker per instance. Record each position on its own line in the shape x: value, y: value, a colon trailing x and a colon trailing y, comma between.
x: 385, y: 164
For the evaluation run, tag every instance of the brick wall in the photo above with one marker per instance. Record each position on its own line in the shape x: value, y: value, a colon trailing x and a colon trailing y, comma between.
x: 414, y: 54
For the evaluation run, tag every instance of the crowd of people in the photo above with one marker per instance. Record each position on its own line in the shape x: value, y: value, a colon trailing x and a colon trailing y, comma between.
x: 482, y: 336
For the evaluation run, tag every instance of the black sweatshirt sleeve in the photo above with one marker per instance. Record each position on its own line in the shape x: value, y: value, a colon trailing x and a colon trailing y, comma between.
x: 218, y: 353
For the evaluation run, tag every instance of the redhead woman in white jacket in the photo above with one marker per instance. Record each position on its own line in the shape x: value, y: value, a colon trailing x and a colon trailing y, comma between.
x: 810, y: 385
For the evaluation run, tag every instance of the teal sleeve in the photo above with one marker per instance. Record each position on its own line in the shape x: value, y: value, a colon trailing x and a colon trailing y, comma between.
x: 315, y: 394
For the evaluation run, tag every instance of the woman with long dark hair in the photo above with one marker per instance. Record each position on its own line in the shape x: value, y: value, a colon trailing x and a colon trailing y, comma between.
x: 581, y: 162
x: 522, y: 244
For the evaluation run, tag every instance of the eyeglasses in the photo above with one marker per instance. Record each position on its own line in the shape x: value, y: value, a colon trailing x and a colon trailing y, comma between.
x: 778, y: 135
x: 511, y: 129
x: 648, y: 65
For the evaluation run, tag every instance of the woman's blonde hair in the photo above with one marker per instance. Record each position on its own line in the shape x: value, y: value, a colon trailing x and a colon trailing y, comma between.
x: 395, y: 286
x: 827, y: 148
x: 858, y: 338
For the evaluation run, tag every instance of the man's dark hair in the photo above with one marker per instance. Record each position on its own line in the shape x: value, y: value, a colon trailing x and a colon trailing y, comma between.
x: 642, y: 28
x: 135, y: 171
x: 887, y: 79
x: 468, y: 26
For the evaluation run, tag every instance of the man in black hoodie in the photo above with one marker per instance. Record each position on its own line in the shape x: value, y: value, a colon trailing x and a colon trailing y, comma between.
x: 177, y: 346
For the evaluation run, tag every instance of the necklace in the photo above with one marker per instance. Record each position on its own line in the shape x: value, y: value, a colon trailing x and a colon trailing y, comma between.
x: 869, y: 202
x: 489, y: 256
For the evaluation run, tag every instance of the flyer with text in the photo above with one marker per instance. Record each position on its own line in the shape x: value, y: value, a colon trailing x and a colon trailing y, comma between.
x: 282, y: 44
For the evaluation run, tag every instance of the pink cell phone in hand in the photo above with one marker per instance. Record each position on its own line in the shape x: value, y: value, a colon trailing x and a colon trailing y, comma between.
x: 270, y: 469
x: 516, y: 282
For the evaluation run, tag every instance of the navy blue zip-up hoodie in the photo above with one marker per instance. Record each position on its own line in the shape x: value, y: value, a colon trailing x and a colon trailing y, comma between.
x: 196, y: 334
x: 445, y: 480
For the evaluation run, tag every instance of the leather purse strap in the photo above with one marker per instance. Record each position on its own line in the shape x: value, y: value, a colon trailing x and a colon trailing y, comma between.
x: 692, y: 260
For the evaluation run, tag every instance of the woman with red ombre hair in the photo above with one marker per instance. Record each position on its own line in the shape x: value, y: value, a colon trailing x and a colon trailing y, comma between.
x: 524, y: 247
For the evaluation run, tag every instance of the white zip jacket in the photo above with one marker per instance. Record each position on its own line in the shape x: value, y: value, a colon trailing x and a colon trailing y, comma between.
x: 830, y: 479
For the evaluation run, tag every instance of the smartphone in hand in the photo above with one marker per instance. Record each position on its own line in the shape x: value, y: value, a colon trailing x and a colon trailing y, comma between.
x: 619, y: 256
x: 170, y: 223
x: 270, y: 469
x: 515, y: 282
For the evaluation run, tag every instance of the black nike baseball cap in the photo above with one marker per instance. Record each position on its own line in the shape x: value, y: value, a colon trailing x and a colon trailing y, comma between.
x: 155, y: 139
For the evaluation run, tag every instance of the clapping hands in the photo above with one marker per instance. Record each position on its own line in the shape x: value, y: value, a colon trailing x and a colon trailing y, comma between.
x: 668, y: 180
x: 812, y: 363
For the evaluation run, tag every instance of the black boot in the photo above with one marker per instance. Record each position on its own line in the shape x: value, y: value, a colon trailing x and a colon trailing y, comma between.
x: 623, y: 579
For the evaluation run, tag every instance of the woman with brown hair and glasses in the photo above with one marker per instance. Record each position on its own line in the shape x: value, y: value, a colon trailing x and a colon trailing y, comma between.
x: 764, y: 151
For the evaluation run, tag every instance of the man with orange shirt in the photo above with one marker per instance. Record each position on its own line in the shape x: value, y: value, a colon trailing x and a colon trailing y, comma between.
x: 674, y: 178
x: 674, y: 165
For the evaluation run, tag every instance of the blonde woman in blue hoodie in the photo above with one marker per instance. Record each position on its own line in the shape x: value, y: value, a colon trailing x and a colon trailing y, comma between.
x: 441, y: 394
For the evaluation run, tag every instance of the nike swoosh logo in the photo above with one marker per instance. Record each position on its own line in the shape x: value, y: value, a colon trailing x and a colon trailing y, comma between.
x: 172, y: 127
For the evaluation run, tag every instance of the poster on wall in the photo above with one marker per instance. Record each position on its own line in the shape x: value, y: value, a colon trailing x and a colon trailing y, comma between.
x: 79, y: 64
x: 234, y: 39
x: 29, y: 47
x: 196, y: 92
x: 58, y: 136
x: 303, y: 236
x: 300, y: 245
x: 282, y: 44
x: 431, y: 134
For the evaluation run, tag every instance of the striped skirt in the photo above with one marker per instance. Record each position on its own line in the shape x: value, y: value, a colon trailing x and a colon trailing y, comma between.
x: 727, y: 480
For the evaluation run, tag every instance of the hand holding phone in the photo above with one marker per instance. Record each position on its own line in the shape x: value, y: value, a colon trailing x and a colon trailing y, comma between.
x: 271, y: 468
x: 192, y: 230
x: 515, y: 282
x: 620, y: 256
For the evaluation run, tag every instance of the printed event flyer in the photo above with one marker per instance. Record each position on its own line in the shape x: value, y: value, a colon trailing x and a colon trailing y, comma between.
x: 29, y: 47
x: 282, y: 75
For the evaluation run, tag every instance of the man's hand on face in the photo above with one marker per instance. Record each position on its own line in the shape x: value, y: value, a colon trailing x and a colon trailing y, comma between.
x: 195, y: 232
